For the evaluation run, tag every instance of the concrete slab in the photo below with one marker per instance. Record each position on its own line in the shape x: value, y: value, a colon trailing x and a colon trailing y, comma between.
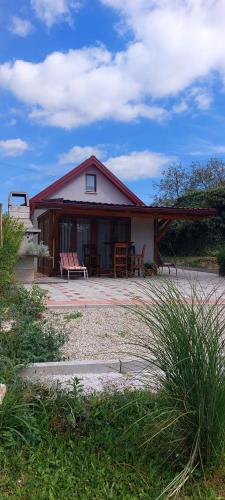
x: 69, y: 368
x: 93, y: 375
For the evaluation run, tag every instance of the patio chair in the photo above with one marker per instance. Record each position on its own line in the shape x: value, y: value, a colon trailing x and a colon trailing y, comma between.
x: 120, y: 258
x: 168, y: 264
x: 138, y: 262
x: 92, y: 260
x: 70, y: 263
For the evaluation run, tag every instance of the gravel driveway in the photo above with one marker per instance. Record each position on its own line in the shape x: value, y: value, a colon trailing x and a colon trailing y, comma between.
x: 99, y: 332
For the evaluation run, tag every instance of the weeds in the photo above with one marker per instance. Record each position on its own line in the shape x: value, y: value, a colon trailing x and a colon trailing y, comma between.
x: 73, y: 315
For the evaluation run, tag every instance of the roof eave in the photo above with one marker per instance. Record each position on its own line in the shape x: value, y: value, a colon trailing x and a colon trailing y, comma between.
x: 140, y: 210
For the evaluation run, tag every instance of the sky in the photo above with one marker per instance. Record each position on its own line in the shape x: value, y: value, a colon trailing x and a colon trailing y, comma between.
x: 138, y: 83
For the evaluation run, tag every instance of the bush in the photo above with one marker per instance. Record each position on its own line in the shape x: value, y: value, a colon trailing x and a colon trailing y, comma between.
x: 221, y: 261
x: 197, y: 237
x: 185, y: 353
x: 12, y: 236
x: 27, y: 335
x: 30, y: 302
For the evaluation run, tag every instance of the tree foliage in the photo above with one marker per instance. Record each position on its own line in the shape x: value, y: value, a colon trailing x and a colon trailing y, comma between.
x: 173, y: 183
x: 177, y: 180
x: 199, y: 185
x: 199, y: 237
x: 12, y: 236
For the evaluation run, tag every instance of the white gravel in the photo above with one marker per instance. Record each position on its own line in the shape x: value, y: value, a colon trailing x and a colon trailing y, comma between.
x: 98, y: 382
x: 99, y: 333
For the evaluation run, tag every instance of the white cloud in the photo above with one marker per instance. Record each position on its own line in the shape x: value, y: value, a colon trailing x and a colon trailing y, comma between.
x: 206, y: 148
x: 20, y: 26
x: 174, y: 43
x: 13, y: 147
x: 203, y: 100
x: 132, y: 166
x: 219, y: 149
x: 173, y: 46
x: 139, y: 164
x: 54, y: 11
x: 180, y: 107
x: 77, y: 154
x: 76, y: 88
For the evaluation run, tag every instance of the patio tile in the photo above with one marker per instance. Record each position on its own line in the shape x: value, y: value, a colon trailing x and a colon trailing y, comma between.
x: 105, y: 291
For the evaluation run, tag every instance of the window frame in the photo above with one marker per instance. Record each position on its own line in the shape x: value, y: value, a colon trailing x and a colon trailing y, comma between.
x: 95, y: 183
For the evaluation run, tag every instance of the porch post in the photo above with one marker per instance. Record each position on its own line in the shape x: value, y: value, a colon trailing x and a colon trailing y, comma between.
x: 155, y: 254
x: 159, y: 231
x: 54, y: 238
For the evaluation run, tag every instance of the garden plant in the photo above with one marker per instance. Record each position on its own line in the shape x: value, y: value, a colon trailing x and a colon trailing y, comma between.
x: 141, y: 444
x: 185, y: 357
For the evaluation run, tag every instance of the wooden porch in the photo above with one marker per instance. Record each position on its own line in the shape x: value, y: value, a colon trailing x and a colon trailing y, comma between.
x: 69, y: 226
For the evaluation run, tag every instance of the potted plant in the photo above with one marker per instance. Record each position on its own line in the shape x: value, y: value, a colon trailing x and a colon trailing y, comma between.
x: 37, y: 249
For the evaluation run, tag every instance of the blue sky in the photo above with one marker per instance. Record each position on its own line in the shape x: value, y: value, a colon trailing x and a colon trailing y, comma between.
x: 138, y: 83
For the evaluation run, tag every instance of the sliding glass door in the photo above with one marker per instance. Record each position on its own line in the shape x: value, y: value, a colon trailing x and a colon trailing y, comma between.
x: 65, y: 228
x: 76, y: 233
x: 103, y: 240
x: 83, y: 237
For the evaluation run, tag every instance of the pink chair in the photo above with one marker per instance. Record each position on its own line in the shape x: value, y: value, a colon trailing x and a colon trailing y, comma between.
x: 70, y: 263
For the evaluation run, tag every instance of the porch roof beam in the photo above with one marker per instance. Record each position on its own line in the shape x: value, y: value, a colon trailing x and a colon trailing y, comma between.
x: 142, y: 212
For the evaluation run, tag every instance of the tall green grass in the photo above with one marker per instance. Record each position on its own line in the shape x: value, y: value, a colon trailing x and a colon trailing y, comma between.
x: 184, y: 351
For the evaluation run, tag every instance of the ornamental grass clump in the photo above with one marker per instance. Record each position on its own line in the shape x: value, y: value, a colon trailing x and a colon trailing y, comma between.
x: 185, y: 355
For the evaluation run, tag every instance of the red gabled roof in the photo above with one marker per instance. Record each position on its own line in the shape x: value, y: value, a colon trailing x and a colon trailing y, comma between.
x: 92, y: 161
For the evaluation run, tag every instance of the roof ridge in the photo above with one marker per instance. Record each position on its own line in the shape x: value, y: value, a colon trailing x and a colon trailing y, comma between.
x: 79, y: 169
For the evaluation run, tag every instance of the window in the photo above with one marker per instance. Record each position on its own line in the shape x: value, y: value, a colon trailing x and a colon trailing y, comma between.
x: 90, y: 183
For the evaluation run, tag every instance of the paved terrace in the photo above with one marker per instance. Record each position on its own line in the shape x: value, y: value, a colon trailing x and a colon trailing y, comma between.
x: 112, y: 292
x: 99, y: 341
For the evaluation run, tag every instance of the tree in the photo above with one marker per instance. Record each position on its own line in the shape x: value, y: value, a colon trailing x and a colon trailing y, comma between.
x: 173, y: 184
x: 207, y: 176
x: 178, y: 180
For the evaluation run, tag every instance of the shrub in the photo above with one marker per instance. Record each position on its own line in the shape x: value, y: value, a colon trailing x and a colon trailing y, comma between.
x: 185, y: 352
x: 221, y: 261
x: 38, y: 249
x: 31, y: 342
x: 28, y: 335
x: 29, y: 302
x: 12, y: 236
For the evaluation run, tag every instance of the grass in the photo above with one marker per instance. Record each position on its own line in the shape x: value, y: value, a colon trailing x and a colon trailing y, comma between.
x: 133, y: 445
x: 205, y: 262
x: 185, y: 354
x: 72, y: 316
x: 90, y: 448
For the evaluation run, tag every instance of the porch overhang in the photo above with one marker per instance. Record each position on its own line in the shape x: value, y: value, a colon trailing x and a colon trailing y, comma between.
x: 113, y: 210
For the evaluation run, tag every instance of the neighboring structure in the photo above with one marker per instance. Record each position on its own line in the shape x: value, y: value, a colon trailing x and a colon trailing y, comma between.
x: 19, y: 209
x: 91, y: 206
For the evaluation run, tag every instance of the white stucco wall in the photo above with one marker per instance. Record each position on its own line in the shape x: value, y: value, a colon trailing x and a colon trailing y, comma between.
x: 106, y: 191
x: 37, y: 214
x: 142, y: 231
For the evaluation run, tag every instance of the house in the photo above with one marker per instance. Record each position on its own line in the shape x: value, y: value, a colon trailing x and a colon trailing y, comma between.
x: 91, y: 206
